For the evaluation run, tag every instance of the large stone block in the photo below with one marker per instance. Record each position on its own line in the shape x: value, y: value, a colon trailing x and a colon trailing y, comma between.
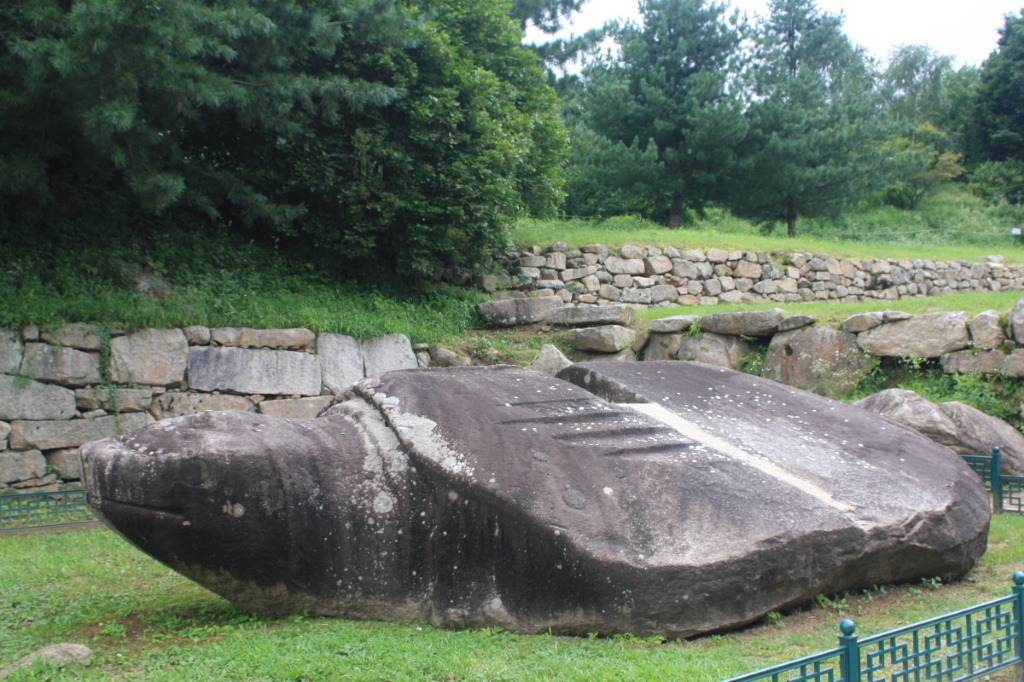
x: 610, y: 338
x: 926, y: 336
x: 171, y: 405
x: 516, y: 311
x: 341, y: 361
x: 153, y: 357
x: 277, y: 339
x: 113, y: 400
x: 986, y: 331
x: 26, y: 399
x: 721, y: 350
x: 11, y: 351
x: 299, y: 408
x: 589, y: 315
x: 21, y: 466
x: 667, y: 497
x: 245, y: 371
x: 78, y: 335
x: 59, y: 365
x: 747, y: 323
x: 824, y: 360
x: 50, y: 435
x: 388, y: 353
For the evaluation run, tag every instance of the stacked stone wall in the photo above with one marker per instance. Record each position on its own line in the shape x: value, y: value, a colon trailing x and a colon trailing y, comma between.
x: 648, y: 276
x: 65, y: 387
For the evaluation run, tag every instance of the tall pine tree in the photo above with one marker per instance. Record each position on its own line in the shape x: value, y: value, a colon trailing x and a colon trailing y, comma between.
x: 814, y: 127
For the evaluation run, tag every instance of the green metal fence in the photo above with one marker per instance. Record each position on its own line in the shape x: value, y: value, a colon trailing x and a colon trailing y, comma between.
x: 23, y: 511
x: 966, y: 645
x: 1007, y: 491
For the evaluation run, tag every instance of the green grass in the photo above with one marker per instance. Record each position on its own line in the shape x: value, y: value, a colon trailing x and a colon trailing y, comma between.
x: 953, y: 225
x: 147, y: 623
x: 828, y: 312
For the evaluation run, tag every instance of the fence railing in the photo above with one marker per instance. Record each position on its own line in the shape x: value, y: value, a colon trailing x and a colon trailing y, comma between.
x: 1007, y: 491
x: 23, y: 511
x: 965, y: 645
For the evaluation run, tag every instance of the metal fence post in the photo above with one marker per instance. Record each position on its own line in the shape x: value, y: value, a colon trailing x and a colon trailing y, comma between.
x: 1019, y: 616
x: 849, y: 659
x: 997, y: 479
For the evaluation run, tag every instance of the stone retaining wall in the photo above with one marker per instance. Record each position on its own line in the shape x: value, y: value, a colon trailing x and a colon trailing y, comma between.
x: 648, y: 276
x: 62, y: 388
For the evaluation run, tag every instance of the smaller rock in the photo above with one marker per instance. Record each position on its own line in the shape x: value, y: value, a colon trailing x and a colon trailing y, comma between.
x: 55, y: 653
x: 986, y: 331
x: 122, y: 400
x: 622, y: 356
x: 517, y: 311
x: 443, y: 357
x: 197, y: 335
x: 582, y: 315
x: 721, y: 350
x: 388, y: 353
x: 796, y: 322
x: 11, y: 351
x: 78, y: 335
x: 610, y: 338
x: 747, y: 323
x: 171, y: 405
x: 862, y: 322
x: 301, y: 408
x: 672, y: 325
x: 65, y: 366
x: 549, y: 360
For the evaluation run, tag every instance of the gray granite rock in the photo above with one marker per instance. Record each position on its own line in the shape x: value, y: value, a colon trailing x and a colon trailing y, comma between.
x: 674, y: 324
x: 197, y: 335
x: 388, y: 353
x: 587, y: 316
x: 747, y: 323
x: 78, y: 335
x: 610, y: 338
x: 21, y: 466
x: 153, y: 357
x: 862, y: 322
x: 824, y: 360
x: 499, y: 497
x: 341, y: 361
x: 549, y: 360
x: 58, y: 365
x: 122, y: 400
x: 300, y: 408
x: 11, y: 351
x: 986, y: 330
x: 248, y: 371
x: 26, y: 399
x: 275, y: 339
x: 721, y: 350
x: 51, y: 435
x: 171, y: 405
x: 517, y: 311
x: 925, y: 336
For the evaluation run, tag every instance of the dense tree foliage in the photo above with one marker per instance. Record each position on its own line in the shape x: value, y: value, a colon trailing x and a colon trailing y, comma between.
x: 662, y: 113
x: 996, y: 138
x: 376, y: 129
x: 814, y: 127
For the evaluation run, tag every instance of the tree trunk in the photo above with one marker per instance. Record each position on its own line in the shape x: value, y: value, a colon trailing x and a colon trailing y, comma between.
x: 675, y: 215
x: 791, y: 219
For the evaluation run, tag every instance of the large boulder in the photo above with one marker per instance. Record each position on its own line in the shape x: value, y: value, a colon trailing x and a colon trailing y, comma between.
x: 925, y: 336
x: 746, y: 323
x: 824, y: 360
x: 591, y: 315
x: 962, y: 428
x: 516, y: 311
x: 663, y: 497
x: 721, y: 350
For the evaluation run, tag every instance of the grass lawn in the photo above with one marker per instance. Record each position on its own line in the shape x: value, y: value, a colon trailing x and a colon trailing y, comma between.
x: 146, y: 622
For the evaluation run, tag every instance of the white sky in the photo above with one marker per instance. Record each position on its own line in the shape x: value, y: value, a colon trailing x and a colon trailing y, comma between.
x: 965, y: 29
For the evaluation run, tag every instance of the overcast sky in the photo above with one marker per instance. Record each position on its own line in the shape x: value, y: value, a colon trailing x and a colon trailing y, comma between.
x: 966, y: 29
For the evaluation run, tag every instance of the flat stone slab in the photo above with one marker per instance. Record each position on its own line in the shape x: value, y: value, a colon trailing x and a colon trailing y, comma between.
x: 154, y: 357
x: 591, y: 315
x: 925, y: 336
x: 59, y: 365
x: 50, y: 435
x: 665, y: 497
x: 516, y: 311
x: 747, y: 323
x: 26, y: 399
x: 388, y: 353
x: 245, y: 371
